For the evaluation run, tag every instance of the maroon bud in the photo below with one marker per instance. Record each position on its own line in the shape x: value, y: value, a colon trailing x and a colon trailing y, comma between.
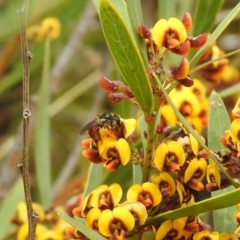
x: 127, y: 92
x: 110, y: 86
x: 116, y: 97
x: 159, y: 128
x: 187, y: 82
x: 183, y: 48
x: 199, y: 41
x: 143, y: 31
x: 187, y: 21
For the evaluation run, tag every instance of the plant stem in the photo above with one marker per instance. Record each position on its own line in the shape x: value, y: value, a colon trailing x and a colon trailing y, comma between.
x: 24, y: 166
x: 149, y: 150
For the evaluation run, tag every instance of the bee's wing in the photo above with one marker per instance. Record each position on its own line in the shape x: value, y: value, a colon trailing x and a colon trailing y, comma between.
x: 90, y: 125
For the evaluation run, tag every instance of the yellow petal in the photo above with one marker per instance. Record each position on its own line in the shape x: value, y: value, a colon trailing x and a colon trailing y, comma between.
x: 92, y: 218
x: 177, y: 25
x: 206, y: 235
x: 175, y: 147
x: 130, y: 125
x: 235, y: 130
x: 194, y: 144
x: 160, y: 155
x: 138, y: 210
x: 124, y: 152
x: 160, y: 31
x: 109, y: 221
x: 51, y: 27
x: 164, y: 229
x: 227, y: 236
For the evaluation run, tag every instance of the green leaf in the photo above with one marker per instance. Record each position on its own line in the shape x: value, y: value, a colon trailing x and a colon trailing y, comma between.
x: 8, y: 206
x: 230, y: 91
x: 216, y: 33
x: 42, y: 134
x: 81, y: 226
x: 218, y: 123
x: 137, y: 174
x: 204, y: 15
x: 167, y: 9
x: 214, y: 203
x: 136, y: 18
x: 94, y: 178
x: 126, y: 54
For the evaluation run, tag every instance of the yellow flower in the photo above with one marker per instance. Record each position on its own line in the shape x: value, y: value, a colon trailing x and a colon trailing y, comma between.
x: 92, y: 218
x: 165, y: 31
x: 106, y: 197
x: 206, y: 235
x: 51, y: 27
x: 114, y: 152
x: 227, y: 236
x: 236, y: 109
x: 147, y: 193
x: 138, y: 210
x: 21, y: 212
x: 165, y: 183
x: 35, y: 33
x: 117, y: 219
x: 194, y: 173
x: 22, y: 233
x: 235, y: 130
x: 108, y: 144
x: 169, y: 156
x: 213, y: 175
x: 171, y: 229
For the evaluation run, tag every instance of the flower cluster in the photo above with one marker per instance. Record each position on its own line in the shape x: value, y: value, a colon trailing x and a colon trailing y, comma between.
x: 49, y: 28
x: 186, y: 99
x: 108, y: 143
x: 230, y: 159
x: 171, y: 35
x: 180, y: 165
x: 49, y: 226
x: 215, y: 70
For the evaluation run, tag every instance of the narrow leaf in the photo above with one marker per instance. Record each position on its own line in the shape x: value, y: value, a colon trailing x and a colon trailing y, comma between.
x: 137, y: 174
x: 121, y: 6
x: 126, y: 54
x: 218, y: 123
x: 8, y: 206
x: 230, y: 91
x: 136, y: 18
x: 42, y: 134
x: 216, y: 33
x: 80, y: 225
x: 94, y: 178
x: 211, y: 204
x: 167, y: 9
x: 204, y: 16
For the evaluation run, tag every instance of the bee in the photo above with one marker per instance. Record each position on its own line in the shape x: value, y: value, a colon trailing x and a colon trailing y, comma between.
x: 105, y: 120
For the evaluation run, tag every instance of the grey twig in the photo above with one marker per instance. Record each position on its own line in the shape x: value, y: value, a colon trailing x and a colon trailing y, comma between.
x: 24, y: 166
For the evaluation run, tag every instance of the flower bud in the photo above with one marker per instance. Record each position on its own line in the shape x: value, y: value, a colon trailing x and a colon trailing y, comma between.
x: 187, y: 21
x: 183, y: 48
x: 143, y: 31
x: 116, y: 97
x: 182, y: 71
x: 199, y: 41
x: 110, y: 86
